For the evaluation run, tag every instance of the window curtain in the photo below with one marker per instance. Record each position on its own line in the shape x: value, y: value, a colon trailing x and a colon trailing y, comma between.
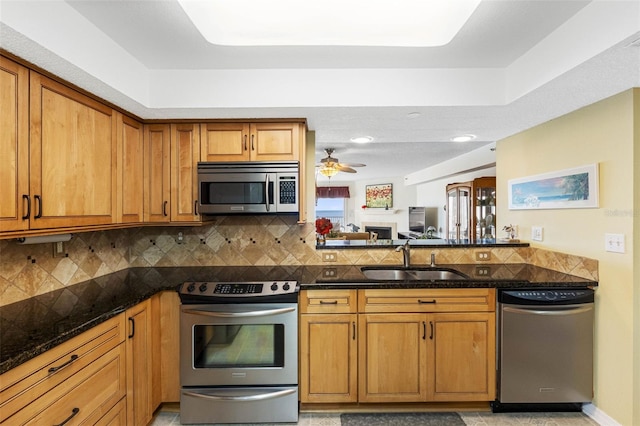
x: 332, y: 192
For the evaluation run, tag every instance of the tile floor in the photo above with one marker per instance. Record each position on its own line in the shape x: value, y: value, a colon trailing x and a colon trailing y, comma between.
x: 172, y: 418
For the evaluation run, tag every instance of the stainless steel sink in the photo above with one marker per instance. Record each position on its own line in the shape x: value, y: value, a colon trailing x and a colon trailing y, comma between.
x: 411, y: 274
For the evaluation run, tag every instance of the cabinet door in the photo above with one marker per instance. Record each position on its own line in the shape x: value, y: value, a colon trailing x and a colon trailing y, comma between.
x: 139, y: 368
x: 392, y: 358
x: 73, y: 157
x: 462, y: 357
x: 328, y: 358
x: 224, y: 142
x: 14, y: 146
x: 157, y: 173
x: 131, y: 165
x: 275, y: 141
x: 185, y: 153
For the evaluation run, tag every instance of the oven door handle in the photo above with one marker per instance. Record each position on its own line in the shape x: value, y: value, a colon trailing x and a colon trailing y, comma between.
x: 240, y: 314
x: 256, y: 397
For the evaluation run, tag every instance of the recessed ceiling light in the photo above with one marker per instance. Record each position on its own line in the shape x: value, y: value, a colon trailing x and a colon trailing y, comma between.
x: 416, y: 23
x: 463, y: 138
x: 413, y: 115
x: 361, y: 139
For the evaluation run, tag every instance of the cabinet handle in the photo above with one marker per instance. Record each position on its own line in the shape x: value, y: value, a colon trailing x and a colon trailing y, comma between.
x: 164, y: 208
x: 354, y: 330
x: 431, y: 325
x: 328, y: 302
x: 252, y: 146
x: 54, y: 369
x: 424, y: 330
x: 26, y: 197
x: 195, y: 207
x: 75, y: 411
x: 39, y: 200
x: 245, y: 142
x: 133, y: 328
x: 426, y: 301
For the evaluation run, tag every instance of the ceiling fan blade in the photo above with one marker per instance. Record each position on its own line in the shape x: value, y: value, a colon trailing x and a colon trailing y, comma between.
x: 353, y: 164
x: 344, y: 168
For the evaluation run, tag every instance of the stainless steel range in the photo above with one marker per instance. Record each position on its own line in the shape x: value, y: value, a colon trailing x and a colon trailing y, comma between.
x: 239, y: 352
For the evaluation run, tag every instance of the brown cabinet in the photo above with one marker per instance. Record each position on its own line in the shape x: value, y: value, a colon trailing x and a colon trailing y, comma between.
x: 414, y: 345
x: 471, y: 208
x: 328, y: 346
x: 139, y: 364
x: 14, y: 146
x: 83, y: 377
x: 185, y: 154
x: 260, y: 141
x: 73, y: 155
x: 447, y: 339
x: 130, y: 141
x: 157, y: 168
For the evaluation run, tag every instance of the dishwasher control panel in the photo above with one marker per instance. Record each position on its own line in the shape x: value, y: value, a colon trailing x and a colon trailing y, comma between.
x: 564, y: 296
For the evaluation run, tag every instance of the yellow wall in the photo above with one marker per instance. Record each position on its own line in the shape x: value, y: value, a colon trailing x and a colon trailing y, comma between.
x: 601, y: 133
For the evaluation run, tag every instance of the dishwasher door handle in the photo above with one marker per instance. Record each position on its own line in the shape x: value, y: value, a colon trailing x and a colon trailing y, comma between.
x: 553, y: 312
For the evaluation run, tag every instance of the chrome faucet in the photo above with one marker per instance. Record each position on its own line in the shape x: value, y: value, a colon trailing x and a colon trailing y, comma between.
x: 433, y: 259
x: 406, y: 252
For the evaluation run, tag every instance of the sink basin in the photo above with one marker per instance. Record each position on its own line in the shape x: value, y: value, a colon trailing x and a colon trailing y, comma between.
x: 402, y: 274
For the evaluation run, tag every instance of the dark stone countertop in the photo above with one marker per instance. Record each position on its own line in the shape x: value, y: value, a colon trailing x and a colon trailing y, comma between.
x: 419, y: 243
x: 33, y: 326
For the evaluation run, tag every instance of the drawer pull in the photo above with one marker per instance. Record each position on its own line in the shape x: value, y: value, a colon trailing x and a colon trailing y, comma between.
x: 75, y: 411
x: 426, y: 301
x: 329, y: 302
x: 54, y: 369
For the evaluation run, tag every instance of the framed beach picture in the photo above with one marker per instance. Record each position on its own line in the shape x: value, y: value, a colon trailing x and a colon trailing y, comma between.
x: 379, y: 195
x: 565, y: 189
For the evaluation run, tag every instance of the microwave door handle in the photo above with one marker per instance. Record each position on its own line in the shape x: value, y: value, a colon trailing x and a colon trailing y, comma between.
x: 266, y: 191
x: 264, y: 313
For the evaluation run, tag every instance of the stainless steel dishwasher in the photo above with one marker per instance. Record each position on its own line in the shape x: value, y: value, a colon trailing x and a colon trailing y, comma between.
x: 545, y: 349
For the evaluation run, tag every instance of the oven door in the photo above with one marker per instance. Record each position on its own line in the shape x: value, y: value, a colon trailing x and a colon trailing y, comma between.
x: 239, y: 344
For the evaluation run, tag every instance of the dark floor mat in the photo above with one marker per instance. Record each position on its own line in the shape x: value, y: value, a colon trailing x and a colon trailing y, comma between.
x: 401, y: 419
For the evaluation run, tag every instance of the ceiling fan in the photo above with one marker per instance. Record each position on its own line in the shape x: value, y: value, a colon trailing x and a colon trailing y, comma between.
x: 329, y: 165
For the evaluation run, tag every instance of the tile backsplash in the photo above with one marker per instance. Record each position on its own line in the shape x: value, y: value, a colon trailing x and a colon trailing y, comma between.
x: 30, y: 270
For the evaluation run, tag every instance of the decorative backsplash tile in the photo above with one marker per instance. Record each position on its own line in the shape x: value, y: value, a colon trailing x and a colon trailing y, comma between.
x: 30, y: 270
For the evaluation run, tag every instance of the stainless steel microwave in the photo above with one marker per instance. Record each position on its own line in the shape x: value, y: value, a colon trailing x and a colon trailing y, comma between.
x: 248, y: 187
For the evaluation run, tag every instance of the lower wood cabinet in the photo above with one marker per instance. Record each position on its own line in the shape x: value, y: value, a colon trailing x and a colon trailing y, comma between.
x: 81, y: 379
x: 139, y: 364
x: 412, y: 345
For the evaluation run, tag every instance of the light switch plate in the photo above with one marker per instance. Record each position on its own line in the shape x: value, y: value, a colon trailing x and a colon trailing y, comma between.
x: 614, y: 243
x: 536, y: 233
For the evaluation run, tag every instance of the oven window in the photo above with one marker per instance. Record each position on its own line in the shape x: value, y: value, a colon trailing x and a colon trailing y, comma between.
x: 247, y: 345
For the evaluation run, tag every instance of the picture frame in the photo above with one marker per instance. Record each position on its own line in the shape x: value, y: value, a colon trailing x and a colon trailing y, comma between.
x: 379, y: 196
x: 572, y: 188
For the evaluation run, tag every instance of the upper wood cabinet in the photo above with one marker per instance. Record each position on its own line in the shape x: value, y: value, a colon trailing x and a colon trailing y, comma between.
x: 157, y: 144
x: 185, y: 154
x: 130, y: 177
x: 14, y: 146
x: 251, y: 141
x: 73, y: 155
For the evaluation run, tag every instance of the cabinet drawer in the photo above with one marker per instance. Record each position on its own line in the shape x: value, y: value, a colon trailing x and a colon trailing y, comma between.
x: 117, y: 416
x: 29, y: 381
x: 87, y: 396
x: 427, y: 300
x: 328, y: 301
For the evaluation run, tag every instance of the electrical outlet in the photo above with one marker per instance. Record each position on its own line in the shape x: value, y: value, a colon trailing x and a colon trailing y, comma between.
x: 536, y: 233
x: 483, y: 256
x: 58, y: 249
x: 329, y: 272
x: 614, y: 243
x: 329, y: 256
x: 180, y: 238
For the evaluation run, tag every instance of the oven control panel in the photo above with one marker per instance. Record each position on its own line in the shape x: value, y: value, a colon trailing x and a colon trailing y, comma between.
x: 207, y: 289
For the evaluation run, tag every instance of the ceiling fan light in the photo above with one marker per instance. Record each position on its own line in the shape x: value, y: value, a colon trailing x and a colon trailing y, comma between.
x: 328, y: 171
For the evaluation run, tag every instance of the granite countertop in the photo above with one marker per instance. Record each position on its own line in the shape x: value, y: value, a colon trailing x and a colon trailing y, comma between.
x: 419, y: 243
x: 33, y: 326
